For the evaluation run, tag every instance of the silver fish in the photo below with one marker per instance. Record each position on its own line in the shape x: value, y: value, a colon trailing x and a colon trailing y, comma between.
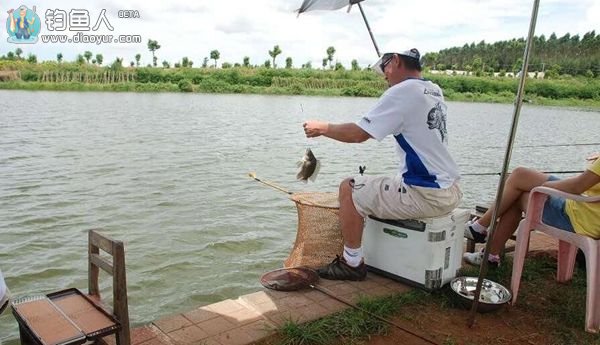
x: 309, y: 167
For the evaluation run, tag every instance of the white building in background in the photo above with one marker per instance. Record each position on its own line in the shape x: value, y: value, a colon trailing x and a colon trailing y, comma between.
x: 532, y: 75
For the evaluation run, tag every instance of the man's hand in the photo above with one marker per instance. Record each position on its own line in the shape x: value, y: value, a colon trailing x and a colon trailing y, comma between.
x: 314, y: 129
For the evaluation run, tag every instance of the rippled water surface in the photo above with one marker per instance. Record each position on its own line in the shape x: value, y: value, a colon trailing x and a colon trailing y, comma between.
x: 168, y: 175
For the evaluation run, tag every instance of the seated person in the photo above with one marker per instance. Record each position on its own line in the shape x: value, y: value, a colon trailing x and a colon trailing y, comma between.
x: 569, y: 215
x: 4, y: 294
x: 414, y: 112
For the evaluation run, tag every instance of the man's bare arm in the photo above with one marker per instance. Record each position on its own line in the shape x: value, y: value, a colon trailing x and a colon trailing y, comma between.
x: 344, y: 132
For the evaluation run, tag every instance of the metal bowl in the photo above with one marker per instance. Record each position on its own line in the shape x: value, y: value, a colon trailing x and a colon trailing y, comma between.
x: 493, y: 295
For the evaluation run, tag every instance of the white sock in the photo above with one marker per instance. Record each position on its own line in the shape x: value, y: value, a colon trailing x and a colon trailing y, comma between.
x: 353, y: 256
x: 478, y: 227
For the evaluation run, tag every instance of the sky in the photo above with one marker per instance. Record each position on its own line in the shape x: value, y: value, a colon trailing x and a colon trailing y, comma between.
x: 238, y: 28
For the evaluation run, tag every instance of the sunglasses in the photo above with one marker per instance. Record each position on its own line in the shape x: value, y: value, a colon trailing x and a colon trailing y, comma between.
x: 386, y: 62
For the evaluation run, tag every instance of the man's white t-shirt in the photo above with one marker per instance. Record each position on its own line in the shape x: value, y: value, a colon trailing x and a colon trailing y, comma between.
x: 414, y: 112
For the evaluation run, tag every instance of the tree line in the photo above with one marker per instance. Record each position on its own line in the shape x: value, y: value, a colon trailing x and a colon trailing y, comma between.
x: 566, y: 55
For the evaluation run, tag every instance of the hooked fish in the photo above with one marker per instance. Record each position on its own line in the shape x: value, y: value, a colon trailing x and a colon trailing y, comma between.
x: 309, y: 167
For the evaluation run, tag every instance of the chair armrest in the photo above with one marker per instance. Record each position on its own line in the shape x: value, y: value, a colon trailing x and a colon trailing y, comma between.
x: 537, y: 199
x: 556, y: 192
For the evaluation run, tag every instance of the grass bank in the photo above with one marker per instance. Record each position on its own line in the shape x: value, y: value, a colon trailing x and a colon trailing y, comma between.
x: 547, y: 313
x: 581, y: 92
x: 504, y: 97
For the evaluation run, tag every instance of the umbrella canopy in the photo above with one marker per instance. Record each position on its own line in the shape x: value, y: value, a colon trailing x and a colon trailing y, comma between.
x: 331, y: 5
x: 325, y: 5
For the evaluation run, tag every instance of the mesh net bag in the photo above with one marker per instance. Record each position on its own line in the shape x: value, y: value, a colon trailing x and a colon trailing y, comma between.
x: 319, y: 236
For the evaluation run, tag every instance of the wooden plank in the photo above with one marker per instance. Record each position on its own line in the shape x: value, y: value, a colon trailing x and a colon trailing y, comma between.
x: 102, y: 263
x: 103, y: 242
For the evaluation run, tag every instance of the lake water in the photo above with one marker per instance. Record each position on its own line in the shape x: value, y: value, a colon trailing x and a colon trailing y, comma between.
x: 168, y: 175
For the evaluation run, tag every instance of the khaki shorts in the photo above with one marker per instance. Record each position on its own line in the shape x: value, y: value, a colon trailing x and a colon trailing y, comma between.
x: 389, y: 198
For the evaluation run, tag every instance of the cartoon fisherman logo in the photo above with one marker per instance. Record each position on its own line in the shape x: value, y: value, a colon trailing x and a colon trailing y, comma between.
x: 23, y: 25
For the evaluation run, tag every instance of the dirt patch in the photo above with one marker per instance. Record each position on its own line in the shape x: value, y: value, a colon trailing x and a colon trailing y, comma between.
x: 449, y: 326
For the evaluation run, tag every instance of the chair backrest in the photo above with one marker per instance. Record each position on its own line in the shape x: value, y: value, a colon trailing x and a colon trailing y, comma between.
x: 116, y: 269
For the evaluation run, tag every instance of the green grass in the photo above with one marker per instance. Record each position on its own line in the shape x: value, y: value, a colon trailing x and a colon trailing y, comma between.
x: 559, y: 309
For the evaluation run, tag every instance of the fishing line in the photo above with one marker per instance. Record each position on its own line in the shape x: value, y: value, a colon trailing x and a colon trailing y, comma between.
x: 545, y: 172
x: 548, y: 145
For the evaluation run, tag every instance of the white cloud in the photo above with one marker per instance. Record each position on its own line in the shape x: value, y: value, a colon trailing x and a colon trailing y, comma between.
x: 239, y: 28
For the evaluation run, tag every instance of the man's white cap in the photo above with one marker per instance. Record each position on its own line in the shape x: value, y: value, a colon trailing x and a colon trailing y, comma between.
x: 411, y: 53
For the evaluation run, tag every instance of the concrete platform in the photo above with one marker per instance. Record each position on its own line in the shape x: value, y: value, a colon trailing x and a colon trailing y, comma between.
x: 255, y: 316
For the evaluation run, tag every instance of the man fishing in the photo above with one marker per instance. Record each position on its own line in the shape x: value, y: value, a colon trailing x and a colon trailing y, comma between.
x: 412, y: 110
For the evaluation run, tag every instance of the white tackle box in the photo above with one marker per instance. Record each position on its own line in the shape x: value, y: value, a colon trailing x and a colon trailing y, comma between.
x: 426, y: 252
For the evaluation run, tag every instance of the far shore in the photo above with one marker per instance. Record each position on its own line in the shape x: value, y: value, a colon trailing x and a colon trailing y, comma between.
x: 503, y: 97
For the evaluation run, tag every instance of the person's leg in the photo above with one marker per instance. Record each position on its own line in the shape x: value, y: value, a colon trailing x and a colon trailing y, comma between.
x: 350, y: 220
x: 506, y: 226
x: 351, y: 266
x: 520, y: 181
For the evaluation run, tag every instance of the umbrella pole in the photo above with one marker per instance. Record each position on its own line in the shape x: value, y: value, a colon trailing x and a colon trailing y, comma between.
x: 511, y: 137
x: 369, y: 28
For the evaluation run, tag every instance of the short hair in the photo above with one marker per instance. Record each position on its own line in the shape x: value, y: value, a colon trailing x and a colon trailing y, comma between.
x: 410, y: 63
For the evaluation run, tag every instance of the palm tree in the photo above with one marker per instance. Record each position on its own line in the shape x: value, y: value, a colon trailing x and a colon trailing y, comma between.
x: 137, y: 59
x: 215, y: 55
x: 87, y: 55
x: 273, y: 53
x: 153, y: 46
x: 330, y: 53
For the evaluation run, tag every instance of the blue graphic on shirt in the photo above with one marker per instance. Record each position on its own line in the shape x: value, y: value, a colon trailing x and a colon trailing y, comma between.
x: 416, y: 173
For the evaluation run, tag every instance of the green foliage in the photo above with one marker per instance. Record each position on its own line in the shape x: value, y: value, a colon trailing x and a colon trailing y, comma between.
x: 273, y: 54
x: 185, y: 85
x: 567, y: 55
x: 152, y: 47
x: 215, y: 55
x: 87, y: 55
